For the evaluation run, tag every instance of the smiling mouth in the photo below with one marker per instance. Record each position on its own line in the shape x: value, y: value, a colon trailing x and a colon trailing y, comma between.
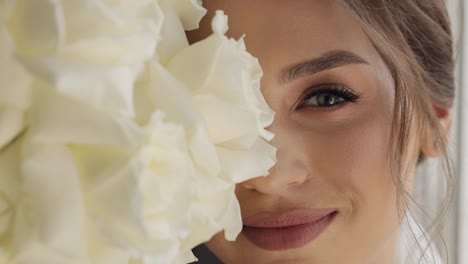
x: 273, y: 231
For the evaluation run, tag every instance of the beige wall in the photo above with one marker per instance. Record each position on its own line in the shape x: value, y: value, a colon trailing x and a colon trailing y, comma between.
x: 429, y: 186
x: 462, y: 127
x: 457, y: 231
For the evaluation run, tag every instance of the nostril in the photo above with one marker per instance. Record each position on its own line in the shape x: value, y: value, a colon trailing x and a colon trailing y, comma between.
x: 261, y: 184
x: 249, y: 184
x: 300, y: 179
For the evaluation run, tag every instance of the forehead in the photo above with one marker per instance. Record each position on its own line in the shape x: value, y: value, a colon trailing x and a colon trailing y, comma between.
x: 281, y: 33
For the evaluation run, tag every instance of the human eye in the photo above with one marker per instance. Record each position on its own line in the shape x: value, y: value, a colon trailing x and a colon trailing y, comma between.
x: 327, y: 96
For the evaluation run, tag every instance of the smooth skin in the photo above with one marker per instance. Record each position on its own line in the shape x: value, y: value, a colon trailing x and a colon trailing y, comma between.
x: 332, y: 152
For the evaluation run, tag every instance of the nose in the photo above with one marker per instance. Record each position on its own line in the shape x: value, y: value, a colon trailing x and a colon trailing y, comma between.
x: 291, y: 169
x: 288, y: 172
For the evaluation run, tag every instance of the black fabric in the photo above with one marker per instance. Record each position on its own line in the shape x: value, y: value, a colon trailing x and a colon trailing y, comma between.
x: 205, y: 256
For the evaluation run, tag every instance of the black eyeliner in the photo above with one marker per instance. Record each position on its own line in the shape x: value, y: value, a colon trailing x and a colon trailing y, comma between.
x: 333, y: 89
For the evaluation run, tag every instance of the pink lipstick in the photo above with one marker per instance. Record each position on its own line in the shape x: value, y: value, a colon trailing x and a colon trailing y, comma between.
x: 285, y: 230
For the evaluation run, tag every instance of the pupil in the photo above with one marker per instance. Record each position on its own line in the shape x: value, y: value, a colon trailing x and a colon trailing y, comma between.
x: 328, y: 99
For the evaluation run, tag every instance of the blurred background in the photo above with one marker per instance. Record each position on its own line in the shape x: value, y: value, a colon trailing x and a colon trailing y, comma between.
x: 458, y: 229
x: 431, y: 187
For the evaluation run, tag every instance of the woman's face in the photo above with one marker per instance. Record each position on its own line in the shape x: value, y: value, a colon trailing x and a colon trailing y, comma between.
x: 333, y: 97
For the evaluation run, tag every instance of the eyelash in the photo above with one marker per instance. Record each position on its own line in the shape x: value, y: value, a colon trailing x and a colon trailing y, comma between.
x: 332, y: 89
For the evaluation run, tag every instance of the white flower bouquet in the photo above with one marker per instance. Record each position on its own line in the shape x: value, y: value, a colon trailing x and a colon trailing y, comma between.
x: 119, y: 141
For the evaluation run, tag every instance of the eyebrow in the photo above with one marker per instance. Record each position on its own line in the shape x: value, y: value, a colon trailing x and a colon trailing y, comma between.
x: 328, y: 60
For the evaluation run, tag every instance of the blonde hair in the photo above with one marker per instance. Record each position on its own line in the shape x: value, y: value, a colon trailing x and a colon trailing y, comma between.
x: 414, y: 39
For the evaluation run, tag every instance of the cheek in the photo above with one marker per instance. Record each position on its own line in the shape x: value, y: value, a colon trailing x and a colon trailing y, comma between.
x: 355, y: 161
x: 353, y: 158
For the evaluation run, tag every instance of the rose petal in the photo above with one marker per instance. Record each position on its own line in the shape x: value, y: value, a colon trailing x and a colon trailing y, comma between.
x: 92, y: 50
x: 59, y: 217
x: 226, y: 120
x: 173, y: 37
x: 172, y: 98
x: 242, y: 165
x: 37, y: 27
x: 221, y: 67
x: 59, y: 119
x: 190, y: 12
x: 11, y: 123
x: 14, y: 80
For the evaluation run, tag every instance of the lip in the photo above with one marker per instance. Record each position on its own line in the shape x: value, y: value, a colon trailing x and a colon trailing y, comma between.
x: 286, y: 230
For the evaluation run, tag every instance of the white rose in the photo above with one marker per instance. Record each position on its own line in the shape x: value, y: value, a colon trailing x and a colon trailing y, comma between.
x: 92, y: 50
x: 224, y: 82
x: 53, y: 221
x: 126, y: 159
x: 168, y: 95
x: 132, y: 190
